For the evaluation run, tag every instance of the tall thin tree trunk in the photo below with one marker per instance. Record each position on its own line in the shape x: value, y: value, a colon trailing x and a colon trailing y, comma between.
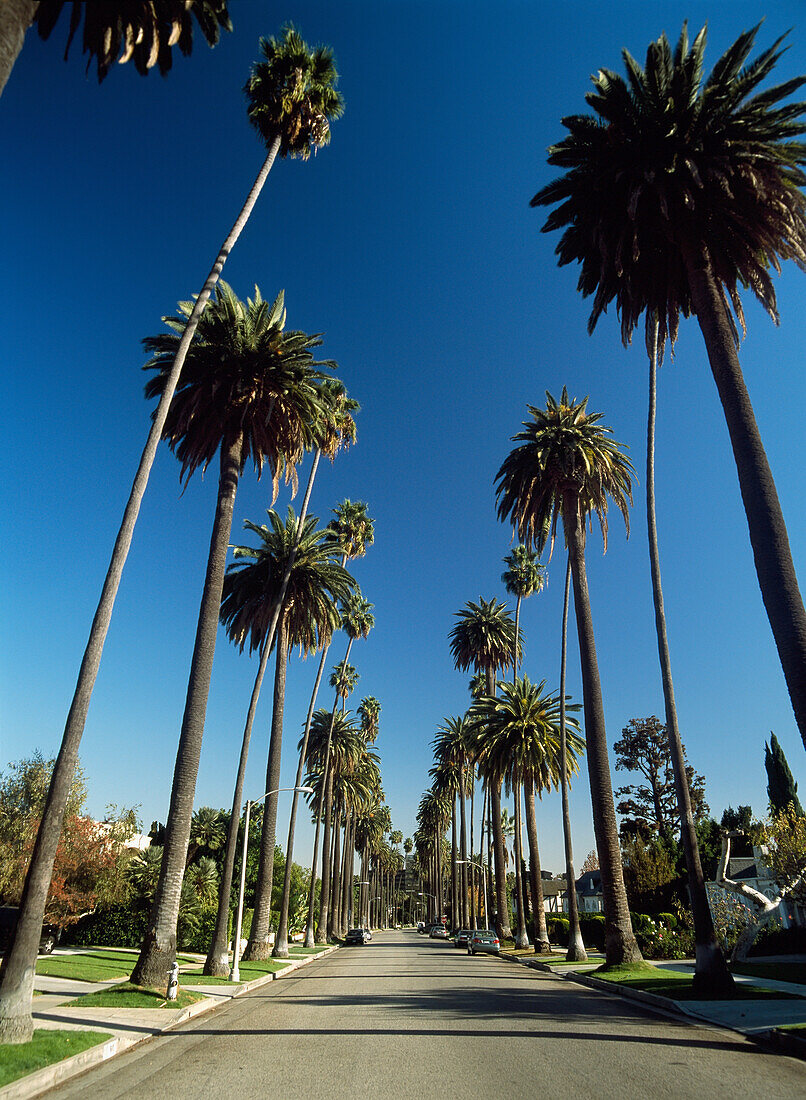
x: 464, y: 919
x: 539, y: 927
x: 158, y: 950
x: 324, y: 900
x: 455, y: 918
x: 620, y: 942
x: 576, y: 947
x: 16, y: 16
x: 217, y: 962
x: 768, y: 535
x: 472, y: 868
x: 521, y: 936
x: 711, y: 973
x: 335, y: 865
x: 259, y: 946
x: 502, y: 910
x: 16, y: 992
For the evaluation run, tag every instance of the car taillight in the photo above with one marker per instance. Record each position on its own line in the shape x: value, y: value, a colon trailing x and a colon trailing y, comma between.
x: 497, y: 941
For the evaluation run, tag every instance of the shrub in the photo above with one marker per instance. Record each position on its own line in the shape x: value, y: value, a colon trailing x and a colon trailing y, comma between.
x: 198, y: 934
x: 780, y: 941
x: 121, y: 925
x: 669, y: 919
x: 557, y: 928
x: 656, y: 941
x: 592, y: 926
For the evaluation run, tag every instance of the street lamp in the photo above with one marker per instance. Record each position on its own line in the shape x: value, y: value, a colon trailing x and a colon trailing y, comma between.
x: 483, y: 868
x: 235, y: 974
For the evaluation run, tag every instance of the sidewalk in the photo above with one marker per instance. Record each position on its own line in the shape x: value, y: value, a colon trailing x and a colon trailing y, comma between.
x: 125, y: 1026
x: 757, y: 1019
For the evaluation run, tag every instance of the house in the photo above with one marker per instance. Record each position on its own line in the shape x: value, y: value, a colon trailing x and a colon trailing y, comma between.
x: 588, y: 891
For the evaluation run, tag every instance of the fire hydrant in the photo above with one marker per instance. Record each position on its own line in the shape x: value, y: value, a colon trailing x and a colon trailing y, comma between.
x: 173, y: 982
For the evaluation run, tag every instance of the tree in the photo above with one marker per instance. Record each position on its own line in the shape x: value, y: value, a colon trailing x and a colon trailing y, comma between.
x: 249, y: 390
x: 208, y: 831
x: 484, y: 639
x: 369, y: 711
x: 782, y: 790
x: 676, y: 192
x: 143, y: 32
x: 649, y: 875
x: 651, y: 807
x: 291, y: 98
x: 568, y: 466
x: 590, y: 862
x: 308, y: 617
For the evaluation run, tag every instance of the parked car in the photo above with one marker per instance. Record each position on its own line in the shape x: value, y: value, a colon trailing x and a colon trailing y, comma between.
x: 483, y: 941
x: 421, y: 927
x: 358, y: 936
x: 9, y: 915
x: 461, y: 937
x: 438, y: 932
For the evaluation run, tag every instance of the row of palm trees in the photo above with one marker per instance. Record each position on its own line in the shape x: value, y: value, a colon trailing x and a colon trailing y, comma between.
x: 232, y: 383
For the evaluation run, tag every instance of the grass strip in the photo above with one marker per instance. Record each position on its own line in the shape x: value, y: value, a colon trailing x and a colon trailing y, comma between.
x: 93, y: 965
x: 679, y: 986
x: 779, y: 972
x: 47, y: 1046
x: 127, y: 995
x: 248, y: 970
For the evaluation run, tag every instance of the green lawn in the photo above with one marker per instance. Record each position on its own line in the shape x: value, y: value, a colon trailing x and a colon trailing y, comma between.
x: 249, y: 971
x: 92, y: 965
x: 780, y: 972
x: 127, y: 995
x: 676, y: 984
x: 47, y: 1046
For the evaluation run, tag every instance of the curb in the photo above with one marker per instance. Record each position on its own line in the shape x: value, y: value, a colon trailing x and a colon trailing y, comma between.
x: 785, y: 1042
x: 41, y: 1080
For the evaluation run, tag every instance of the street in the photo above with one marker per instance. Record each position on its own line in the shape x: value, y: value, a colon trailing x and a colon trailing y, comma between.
x: 406, y: 1016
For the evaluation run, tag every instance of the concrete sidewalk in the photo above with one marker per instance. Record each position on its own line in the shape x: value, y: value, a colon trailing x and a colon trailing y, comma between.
x: 125, y: 1026
x: 754, y: 1018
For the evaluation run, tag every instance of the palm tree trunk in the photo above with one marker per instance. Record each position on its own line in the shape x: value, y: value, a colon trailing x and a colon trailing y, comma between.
x: 258, y: 946
x: 768, y: 535
x: 576, y: 947
x: 346, y: 876
x: 539, y: 927
x: 17, y: 982
x: 335, y: 865
x: 455, y: 918
x: 324, y: 901
x: 16, y: 16
x: 463, y: 866
x: 471, y: 868
x: 521, y: 936
x: 502, y: 910
x: 711, y: 974
x: 620, y: 942
x: 158, y: 950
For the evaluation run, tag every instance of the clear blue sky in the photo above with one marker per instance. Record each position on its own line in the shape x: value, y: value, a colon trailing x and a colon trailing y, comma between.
x: 410, y: 244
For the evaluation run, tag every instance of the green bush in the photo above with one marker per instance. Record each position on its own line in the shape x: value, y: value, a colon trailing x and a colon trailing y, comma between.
x: 657, y: 941
x: 592, y: 927
x: 198, y: 935
x: 669, y: 919
x: 780, y: 941
x: 557, y: 928
x: 121, y: 925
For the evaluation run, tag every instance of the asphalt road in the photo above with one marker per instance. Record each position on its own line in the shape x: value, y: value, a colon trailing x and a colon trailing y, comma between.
x: 406, y: 1017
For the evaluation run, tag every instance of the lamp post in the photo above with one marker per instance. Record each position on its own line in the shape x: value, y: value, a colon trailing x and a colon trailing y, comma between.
x: 426, y: 894
x: 483, y: 869
x: 235, y: 974
x: 362, y: 882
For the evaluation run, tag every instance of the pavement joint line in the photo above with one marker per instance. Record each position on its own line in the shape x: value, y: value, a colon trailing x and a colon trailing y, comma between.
x: 42, y: 1080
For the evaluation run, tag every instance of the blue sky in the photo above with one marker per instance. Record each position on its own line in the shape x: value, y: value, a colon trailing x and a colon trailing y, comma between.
x: 410, y: 244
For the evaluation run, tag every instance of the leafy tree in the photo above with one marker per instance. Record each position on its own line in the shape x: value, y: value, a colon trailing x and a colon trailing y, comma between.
x: 784, y: 836
x: 142, y: 31
x: 739, y: 821
x: 567, y: 465
x: 782, y: 790
x: 208, y: 830
x: 649, y: 875
x: 676, y: 192
x: 291, y: 97
x: 651, y: 807
x: 590, y: 863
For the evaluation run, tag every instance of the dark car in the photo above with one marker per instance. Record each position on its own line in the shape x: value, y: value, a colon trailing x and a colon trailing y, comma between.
x: 484, y: 941
x: 9, y: 915
x: 461, y: 937
x: 358, y: 936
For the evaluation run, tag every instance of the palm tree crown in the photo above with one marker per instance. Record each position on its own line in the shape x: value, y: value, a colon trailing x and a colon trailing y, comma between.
x: 484, y: 637
x: 352, y: 528
x: 670, y: 164
x: 565, y: 454
x: 292, y: 94
x: 524, y: 574
x: 244, y: 376
x: 316, y: 584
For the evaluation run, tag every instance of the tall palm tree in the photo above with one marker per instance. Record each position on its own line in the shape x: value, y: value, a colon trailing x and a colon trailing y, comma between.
x: 369, y: 711
x: 296, y: 88
x: 353, y: 531
x: 343, y: 679
x: 485, y: 639
x: 676, y: 192
x: 568, y: 466
x: 208, y: 831
x: 335, y: 431
x: 451, y: 749
x: 522, y: 578
x: 249, y: 390
x: 517, y: 739
x: 144, y: 31
x: 356, y: 621
x: 309, y: 615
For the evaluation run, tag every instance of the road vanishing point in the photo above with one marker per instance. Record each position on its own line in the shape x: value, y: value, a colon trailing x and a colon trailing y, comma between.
x: 406, y: 1016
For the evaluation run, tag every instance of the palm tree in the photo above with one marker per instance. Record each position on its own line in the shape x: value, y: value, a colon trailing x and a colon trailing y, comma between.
x: 335, y: 431
x: 208, y: 830
x: 356, y: 621
x: 249, y: 390
x: 144, y: 31
x: 296, y: 88
x: 352, y: 530
x: 567, y: 465
x: 681, y: 190
x: 485, y: 639
x: 517, y: 739
x: 369, y: 711
x: 452, y: 748
x: 309, y: 615
x: 343, y: 679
